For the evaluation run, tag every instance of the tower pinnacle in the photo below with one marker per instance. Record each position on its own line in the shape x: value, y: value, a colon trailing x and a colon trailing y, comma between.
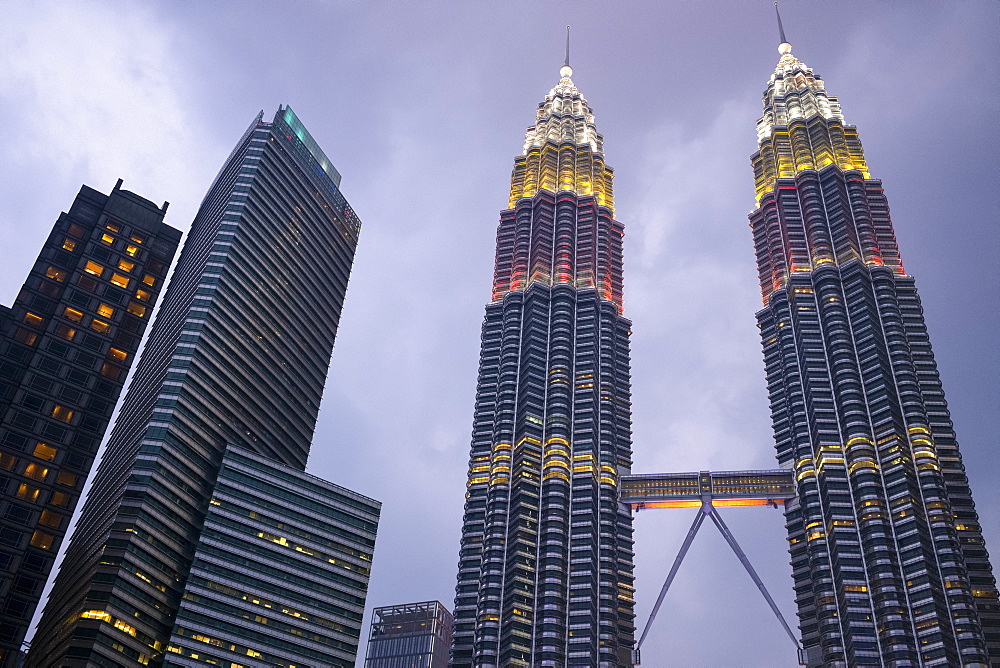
x: 566, y: 71
x: 784, y: 47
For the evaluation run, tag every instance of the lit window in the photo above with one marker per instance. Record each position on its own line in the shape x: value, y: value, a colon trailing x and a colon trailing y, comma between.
x: 118, y: 355
x: 65, y: 331
x: 100, y: 326
x: 46, y: 452
x: 27, y: 493
x: 142, y: 295
x: 111, y: 371
x: 93, y: 268
x: 62, y: 413
x: 119, y: 280
x: 112, y: 227
x: 50, y: 519
x: 26, y: 337
x: 55, y: 274
x: 136, y: 309
x: 33, y: 319
x: 42, y: 540
x: 105, y: 310
x: 131, y: 250
x: 7, y: 462
x: 138, y: 238
x: 66, y: 478
x: 76, y: 230
x: 73, y: 314
x: 69, y: 244
x: 107, y: 238
x: 125, y: 265
x: 59, y: 500
x: 149, y: 280
x: 36, y: 472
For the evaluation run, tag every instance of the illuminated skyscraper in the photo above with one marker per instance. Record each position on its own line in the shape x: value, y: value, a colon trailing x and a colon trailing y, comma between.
x: 545, y: 569
x: 888, y: 557
x: 74, y: 329
x: 236, y: 361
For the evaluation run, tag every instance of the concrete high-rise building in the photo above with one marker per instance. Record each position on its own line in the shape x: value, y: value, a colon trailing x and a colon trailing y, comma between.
x: 237, y: 357
x: 888, y: 557
x: 66, y: 346
x: 545, y: 568
x: 410, y: 635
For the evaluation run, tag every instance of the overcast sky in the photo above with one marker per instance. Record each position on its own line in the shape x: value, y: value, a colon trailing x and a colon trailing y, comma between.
x: 422, y: 107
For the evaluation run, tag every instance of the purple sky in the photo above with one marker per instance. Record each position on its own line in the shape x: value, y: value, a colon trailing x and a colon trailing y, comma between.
x: 422, y: 107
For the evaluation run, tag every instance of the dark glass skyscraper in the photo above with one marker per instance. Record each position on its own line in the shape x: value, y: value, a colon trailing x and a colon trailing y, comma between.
x: 238, y: 356
x: 888, y: 557
x: 545, y: 570
x: 65, y: 349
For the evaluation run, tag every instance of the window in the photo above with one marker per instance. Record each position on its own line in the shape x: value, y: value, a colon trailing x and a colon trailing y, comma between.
x: 149, y: 280
x: 36, y: 472
x: 26, y: 337
x: 66, y: 478
x: 107, y: 238
x: 87, y: 283
x: 138, y: 238
x: 62, y: 413
x: 100, y: 326
x: 136, y: 309
x: 105, y: 310
x: 113, y: 227
x: 46, y: 452
x: 50, y: 519
x: 42, y: 540
x: 55, y: 274
x: 59, y: 499
x: 131, y: 250
x: 65, y: 331
x: 7, y: 462
x: 111, y: 371
x: 93, y: 268
x: 125, y: 265
x: 27, y: 492
x: 76, y: 230
x: 117, y: 355
x: 142, y: 295
x: 69, y: 244
x: 119, y: 280
x: 35, y: 320
x: 73, y: 314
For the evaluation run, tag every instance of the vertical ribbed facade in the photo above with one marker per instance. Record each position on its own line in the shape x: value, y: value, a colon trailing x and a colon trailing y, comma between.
x: 238, y: 355
x: 889, y: 563
x: 545, y: 569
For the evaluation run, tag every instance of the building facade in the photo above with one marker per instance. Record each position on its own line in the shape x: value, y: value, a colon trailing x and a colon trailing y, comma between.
x: 888, y: 557
x: 66, y: 346
x: 545, y: 568
x: 280, y: 572
x: 267, y: 260
x: 412, y: 635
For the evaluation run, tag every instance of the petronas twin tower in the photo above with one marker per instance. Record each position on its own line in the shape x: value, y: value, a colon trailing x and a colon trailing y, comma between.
x: 888, y: 558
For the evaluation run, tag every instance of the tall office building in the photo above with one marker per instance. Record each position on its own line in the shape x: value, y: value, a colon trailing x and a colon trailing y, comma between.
x: 410, y: 635
x: 545, y: 569
x: 66, y: 345
x: 888, y: 557
x: 237, y: 357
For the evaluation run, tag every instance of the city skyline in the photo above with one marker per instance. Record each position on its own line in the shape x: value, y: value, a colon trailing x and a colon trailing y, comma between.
x: 691, y: 101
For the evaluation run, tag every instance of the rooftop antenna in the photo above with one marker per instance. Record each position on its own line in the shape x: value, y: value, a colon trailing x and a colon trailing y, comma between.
x: 784, y: 47
x: 566, y: 71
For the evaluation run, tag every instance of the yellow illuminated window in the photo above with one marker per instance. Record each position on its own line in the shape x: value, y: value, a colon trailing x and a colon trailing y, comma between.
x: 36, y: 472
x: 93, y: 268
x: 7, y: 462
x: 42, y: 540
x: 73, y: 314
x: 105, y: 310
x: 131, y: 250
x: 117, y: 355
x: 59, y: 500
x: 99, y: 326
x: 26, y: 337
x: 46, y: 452
x: 69, y: 244
x: 62, y: 413
x: 142, y: 295
x: 125, y: 265
x: 33, y: 319
x: 65, y: 331
x: 149, y: 280
x: 113, y: 227
x: 107, y: 238
x: 65, y: 478
x: 27, y: 492
x: 111, y: 371
x: 55, y: 274
x: 119, y: 280
x: 136, y: 309
x: 50, y: 519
